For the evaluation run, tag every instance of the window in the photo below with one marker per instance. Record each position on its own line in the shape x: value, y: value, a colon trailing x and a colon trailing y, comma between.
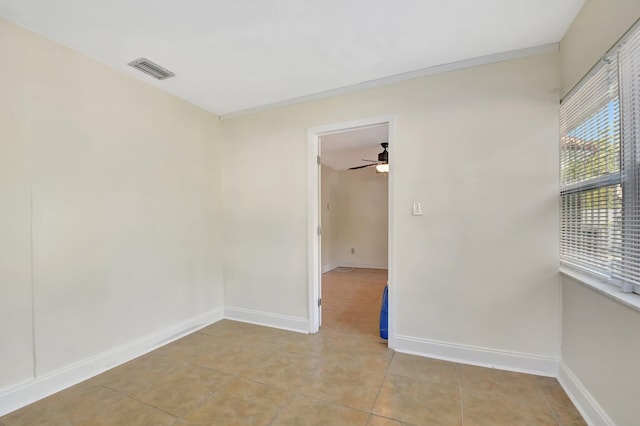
x: 600, y: 169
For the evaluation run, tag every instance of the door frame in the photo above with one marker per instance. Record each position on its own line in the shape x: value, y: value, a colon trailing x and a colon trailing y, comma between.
x: 313, y: 216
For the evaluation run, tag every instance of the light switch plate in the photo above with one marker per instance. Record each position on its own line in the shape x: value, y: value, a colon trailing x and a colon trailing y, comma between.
x: 417, y: 208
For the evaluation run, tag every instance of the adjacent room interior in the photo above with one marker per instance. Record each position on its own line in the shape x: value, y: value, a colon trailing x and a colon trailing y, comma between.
x: 354, y: 224
x: 157, y: 234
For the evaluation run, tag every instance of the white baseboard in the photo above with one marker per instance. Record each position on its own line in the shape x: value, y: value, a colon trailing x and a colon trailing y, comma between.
x: 592, y: 412
x: 301, y: 325
x: 362, y: 265
x: 328, y: 268
x: 475, y: 355
x: 35, y: 389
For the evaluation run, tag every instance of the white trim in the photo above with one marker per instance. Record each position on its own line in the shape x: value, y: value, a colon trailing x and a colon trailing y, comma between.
x: 327, y: 268
x: 391, y: 243
x: 267, y: 319
x: 476, y: 355
x: 362, y: 265
x: 586, y: 404
x: 313, y: 222
x: 350, y: 125
x: 437, y: 69
x: 313, y: 214
x: 33, y: 390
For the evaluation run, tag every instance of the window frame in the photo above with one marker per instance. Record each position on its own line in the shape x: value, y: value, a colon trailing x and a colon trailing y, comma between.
x: 603, y: 181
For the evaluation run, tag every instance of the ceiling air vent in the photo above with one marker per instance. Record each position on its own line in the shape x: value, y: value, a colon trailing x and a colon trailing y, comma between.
x: 151, y: 68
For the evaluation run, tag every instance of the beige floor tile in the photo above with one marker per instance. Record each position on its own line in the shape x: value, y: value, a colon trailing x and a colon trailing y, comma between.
x: 36, y: 415
x: 428, y: 369
x: 305, y: 411
x: 285, y: 370
x: 501, y: 397
x: 518, y: 394
x: 470, y: 375
x: 419, y: 402
x: 126, y: 378
x: 236, y: 373
x: 163, y: 361
x: 329, y: 342
x: 350, y: 390
x: 474, y: 374
x: 374, y: 365
x: 258, y: 337
x: 382, y: 421
x: 183, y: 422
x: 563, y: 408
x: 180, y: 391
x: 190, y: 345
x: 228, y: 327
x: 64, y: 408
x: 231, y: 359
x: 505, y: 411
x: 480, y: 384
x: 128, y: 412
x: 241, y: 402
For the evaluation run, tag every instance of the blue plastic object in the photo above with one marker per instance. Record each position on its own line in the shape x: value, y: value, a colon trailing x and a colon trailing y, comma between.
x: 384, y: 314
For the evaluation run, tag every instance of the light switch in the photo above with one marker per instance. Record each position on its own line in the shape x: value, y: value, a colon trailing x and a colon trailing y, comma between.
x: 417, y: 208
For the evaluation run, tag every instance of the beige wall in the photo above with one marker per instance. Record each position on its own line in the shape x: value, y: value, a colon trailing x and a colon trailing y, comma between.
x: 595, y: 30
x: 329, y: 187
x: 354, y: 214
x: 600, y: 337
x: 362, y: 219
x: 109, y: 194
x: 478, y: 146
x: 600, y: 345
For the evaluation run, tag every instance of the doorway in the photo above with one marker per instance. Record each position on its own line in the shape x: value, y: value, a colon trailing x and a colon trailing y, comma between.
x: 363, y: 253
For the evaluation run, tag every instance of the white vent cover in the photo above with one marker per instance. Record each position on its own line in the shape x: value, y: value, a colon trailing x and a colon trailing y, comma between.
x: 151, y: 68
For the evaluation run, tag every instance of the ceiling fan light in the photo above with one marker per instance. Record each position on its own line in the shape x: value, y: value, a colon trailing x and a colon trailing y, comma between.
x: 384, y: 155
x: 382, y: 168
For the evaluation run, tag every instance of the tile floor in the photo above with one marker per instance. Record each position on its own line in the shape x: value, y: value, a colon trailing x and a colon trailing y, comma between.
x: 232, y: 373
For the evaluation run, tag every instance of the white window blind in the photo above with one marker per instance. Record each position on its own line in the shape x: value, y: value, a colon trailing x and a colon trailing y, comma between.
x: 590, y: 170
x: 600, y: 168
x: 626, y: 268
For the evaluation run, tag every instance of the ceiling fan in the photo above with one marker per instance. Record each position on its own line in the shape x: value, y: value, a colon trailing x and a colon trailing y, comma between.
x: 382, y: 165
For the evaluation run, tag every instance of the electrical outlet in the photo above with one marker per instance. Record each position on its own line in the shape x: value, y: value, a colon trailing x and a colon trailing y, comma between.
x: 353, y: 251
x: 416, y: 208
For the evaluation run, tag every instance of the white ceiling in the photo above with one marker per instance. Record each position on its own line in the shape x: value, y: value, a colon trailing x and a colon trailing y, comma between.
x: 345, y: 149
x: 235, y: 55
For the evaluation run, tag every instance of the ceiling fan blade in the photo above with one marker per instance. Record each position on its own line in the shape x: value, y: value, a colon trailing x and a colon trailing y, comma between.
x: 362, y: 167
x: 383, y: 158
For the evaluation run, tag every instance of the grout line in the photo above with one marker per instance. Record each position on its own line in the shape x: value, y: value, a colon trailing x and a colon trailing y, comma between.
x: 334, y: 403
x: 152, y: 406
x: 386, y: 372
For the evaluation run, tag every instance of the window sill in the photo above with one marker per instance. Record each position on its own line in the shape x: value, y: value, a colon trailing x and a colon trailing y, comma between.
x: 630, y: 300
